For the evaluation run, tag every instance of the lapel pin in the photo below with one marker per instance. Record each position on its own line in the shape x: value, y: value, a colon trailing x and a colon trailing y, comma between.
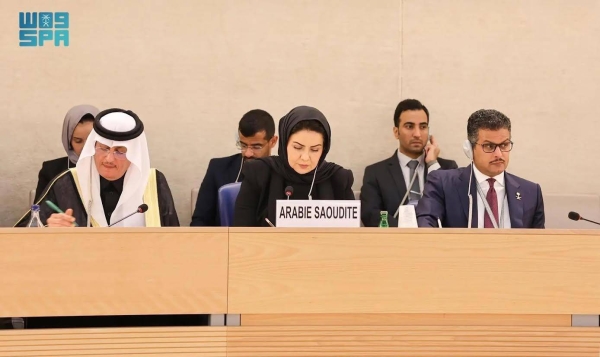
x: 518, y: 195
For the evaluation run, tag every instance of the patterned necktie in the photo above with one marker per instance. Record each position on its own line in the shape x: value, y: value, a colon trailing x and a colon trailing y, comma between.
x: 415, y: 189
x: 492, y: 200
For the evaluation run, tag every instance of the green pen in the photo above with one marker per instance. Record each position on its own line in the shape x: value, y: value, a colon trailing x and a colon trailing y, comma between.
x: 58, y: 210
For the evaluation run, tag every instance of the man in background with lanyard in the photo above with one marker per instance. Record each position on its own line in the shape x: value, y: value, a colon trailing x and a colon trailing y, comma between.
x: 502, y: 200
x: 385, y: 183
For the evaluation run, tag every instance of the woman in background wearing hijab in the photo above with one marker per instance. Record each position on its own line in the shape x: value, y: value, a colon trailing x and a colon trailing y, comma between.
x: 305, y: 140
x: 76, y: 128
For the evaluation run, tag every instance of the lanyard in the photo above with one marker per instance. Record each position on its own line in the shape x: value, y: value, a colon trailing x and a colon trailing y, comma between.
x: 489, y: 210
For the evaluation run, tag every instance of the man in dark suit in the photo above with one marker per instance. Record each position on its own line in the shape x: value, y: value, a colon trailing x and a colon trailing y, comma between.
x: 499, y: 199
x: 385, y: 183
x: 257, y: 137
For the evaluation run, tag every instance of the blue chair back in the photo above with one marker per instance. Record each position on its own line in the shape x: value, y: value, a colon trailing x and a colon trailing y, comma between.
x: 227, y: 196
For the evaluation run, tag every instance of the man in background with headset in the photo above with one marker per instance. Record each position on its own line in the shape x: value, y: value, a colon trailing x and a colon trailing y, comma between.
x: 501, y: 200
x: 385, y: 183
x: 255, y: 139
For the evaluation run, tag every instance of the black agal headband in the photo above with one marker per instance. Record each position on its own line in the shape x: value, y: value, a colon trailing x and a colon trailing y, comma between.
x: 118, y: 135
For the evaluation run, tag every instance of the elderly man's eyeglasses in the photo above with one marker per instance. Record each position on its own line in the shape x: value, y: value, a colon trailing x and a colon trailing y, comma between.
x: 243, y: 147
x: 491, y: 147
x: 119, y: 154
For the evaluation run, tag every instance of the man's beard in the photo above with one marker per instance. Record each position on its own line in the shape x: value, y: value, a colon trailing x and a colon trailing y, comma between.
x: 416, y: 151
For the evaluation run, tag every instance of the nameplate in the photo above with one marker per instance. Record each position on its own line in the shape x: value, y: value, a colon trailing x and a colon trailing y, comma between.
x: 318, y: 213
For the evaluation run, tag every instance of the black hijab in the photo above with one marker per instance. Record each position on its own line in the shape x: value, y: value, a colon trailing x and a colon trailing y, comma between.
x: 280, y: 163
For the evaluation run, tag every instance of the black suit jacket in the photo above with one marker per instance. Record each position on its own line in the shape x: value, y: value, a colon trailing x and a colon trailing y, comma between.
x: 384, y: 187
x: 50, y: 169
x: 220, y: 172
x: 262, y: 187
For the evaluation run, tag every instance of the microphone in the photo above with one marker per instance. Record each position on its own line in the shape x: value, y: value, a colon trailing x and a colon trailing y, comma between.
x: 141, y: 209
x: 577, y: 217
x: 289, y: 190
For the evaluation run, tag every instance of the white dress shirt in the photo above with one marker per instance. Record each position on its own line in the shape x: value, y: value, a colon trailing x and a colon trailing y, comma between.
x: 404, y: 160
x: 500, y: 193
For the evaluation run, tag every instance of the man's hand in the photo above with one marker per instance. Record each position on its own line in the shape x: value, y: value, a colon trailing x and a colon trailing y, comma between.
x: 431, y: 150
x: 61, y: 219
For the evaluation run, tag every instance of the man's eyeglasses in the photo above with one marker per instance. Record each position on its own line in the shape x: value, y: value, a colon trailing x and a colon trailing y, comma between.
x: 119, y: 155
x: 243, y: 147
x: 491, y: 147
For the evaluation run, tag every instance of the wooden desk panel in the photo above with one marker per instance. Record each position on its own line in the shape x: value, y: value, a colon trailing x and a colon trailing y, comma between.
x: 412, y: 341
x: 153, y: 342
x: 448, y: 271
x: 404, y: 320
x: 113, y: 271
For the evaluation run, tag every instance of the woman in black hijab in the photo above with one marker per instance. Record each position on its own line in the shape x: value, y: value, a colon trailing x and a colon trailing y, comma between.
x: 305, y: 140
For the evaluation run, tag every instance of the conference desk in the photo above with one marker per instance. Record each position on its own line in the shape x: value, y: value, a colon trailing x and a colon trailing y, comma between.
x: 306, y: 292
